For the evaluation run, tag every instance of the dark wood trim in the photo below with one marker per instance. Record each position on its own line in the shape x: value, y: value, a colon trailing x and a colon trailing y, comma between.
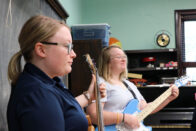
x: 178, y: 32
x: 189, y: 64
x: 180, y: 17
x: 185, y: 13
x: 55, y: 4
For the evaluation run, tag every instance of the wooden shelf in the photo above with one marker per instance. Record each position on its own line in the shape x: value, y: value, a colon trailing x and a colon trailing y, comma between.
x: 141, y: 69
x: 152, y: 69
x: 152, y: 74
x: 151, y: 51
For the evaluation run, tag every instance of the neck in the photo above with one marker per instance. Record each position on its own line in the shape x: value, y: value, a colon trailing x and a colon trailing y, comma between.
x: 42, y: 66
x: 114, y: 78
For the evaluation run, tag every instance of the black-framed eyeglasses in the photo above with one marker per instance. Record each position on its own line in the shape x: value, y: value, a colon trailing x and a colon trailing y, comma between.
x: 68, y: 46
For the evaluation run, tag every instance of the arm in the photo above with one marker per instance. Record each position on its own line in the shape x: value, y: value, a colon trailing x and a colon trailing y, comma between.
x: 84, y: 101
x: 109, y: 117
x: 174, y: 95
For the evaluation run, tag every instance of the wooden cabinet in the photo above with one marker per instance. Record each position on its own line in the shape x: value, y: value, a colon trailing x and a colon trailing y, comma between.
x: 80, y: 77
x: 151, y: 71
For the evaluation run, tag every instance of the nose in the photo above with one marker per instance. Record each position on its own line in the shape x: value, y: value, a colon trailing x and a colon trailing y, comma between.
x: 73, y: 54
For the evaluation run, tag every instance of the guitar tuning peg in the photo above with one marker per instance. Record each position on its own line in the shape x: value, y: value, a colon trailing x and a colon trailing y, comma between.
x: 183, y: 80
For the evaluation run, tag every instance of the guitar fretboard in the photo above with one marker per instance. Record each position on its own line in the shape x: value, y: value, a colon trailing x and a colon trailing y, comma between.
x: 151, y: 107
x: 97, y: 95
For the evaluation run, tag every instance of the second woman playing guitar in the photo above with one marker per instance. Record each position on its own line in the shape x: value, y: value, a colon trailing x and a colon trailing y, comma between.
x: 113, y: 70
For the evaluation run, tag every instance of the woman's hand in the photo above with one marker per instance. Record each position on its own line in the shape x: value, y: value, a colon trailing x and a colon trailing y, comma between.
x: 174, y: 94
x: 131, y: 121
x: 87, y: 97
x: 92, y: 87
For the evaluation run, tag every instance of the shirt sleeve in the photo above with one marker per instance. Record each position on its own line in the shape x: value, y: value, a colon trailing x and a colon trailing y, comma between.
x: 41, y: 111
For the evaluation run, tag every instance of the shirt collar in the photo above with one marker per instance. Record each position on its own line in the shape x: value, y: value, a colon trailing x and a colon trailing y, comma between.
x: 35, y: 71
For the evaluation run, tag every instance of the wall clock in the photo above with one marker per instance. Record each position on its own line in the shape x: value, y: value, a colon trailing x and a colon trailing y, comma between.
x: 162, y: 38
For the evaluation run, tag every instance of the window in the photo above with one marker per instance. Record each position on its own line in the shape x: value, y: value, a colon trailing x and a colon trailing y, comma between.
x: 185, y: 22
x: 190, y: 41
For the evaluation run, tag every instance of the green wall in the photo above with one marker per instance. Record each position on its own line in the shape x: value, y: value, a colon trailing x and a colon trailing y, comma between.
x: 134, y: 22
x: 74, y: 9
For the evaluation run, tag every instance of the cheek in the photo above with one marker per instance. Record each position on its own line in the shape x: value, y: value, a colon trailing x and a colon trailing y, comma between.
x: 62, y: 60
x: 59, y: 58
x: 63, y: 65
x: 125, y: 64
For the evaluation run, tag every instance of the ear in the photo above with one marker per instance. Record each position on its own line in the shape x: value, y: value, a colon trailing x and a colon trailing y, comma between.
x: 40, y: 49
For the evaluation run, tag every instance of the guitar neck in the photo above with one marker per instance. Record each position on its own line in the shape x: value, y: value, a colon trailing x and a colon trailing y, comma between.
x: 100, y: 123
x: 152, y: 106
x: 98, y: 107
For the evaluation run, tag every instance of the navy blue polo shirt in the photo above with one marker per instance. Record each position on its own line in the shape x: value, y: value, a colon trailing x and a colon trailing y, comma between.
x: 39, y: 103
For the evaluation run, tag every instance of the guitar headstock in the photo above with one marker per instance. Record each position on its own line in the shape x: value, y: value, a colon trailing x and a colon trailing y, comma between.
x: 183, y: 80
x: 90, y: 63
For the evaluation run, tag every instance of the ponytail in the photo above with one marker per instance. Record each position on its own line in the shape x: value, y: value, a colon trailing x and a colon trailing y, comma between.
x: 14, y: 68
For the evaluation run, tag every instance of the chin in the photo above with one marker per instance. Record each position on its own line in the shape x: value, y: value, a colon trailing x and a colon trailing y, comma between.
x: 68, y: 71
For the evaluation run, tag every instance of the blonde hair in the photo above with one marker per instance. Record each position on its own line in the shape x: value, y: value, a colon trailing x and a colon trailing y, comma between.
x: 103, y: 65
x: 36, y: 29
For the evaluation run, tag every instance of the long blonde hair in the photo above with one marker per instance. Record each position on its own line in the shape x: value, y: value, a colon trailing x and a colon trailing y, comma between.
x: 103, y: 65
x: 36, y: 29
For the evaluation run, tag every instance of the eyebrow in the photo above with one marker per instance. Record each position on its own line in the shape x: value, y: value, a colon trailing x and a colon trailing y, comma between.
x: 49, y: 43
x: 119, y: 55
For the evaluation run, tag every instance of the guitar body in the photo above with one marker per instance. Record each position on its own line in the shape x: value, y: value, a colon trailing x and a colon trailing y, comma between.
x: 131, y: 108
x: 90, y: 125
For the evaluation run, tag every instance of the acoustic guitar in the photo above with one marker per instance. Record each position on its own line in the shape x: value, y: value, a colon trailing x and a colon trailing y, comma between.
x: 90, y: 125
x: 97, y: 94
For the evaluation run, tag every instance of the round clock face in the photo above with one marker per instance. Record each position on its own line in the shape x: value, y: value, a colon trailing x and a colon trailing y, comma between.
x: 163, y: 40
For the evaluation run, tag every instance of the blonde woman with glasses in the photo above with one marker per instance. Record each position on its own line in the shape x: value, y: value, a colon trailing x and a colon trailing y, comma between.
x: 39, y: 100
